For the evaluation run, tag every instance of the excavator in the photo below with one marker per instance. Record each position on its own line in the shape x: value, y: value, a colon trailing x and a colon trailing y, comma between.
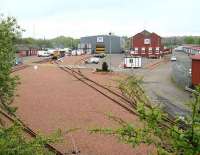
x: 57, y: 55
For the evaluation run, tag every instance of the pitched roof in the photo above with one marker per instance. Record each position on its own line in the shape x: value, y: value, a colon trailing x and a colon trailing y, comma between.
x: 145, y: 33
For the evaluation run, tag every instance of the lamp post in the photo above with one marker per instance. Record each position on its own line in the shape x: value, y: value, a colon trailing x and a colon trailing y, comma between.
x: 110, y: 35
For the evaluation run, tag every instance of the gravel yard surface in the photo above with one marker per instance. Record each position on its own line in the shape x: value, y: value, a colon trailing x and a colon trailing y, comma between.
x: 31, y: 59
x: 51, y: 99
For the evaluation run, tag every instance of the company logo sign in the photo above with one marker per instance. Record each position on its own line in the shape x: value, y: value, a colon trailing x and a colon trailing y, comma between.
x: 147, y: 41
x: 99, y: 39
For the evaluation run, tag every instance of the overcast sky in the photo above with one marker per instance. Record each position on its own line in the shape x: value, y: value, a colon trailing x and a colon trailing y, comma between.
x: 76, y: 18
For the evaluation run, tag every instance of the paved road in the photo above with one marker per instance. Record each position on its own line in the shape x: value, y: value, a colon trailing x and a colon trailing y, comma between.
x: 161, y: 89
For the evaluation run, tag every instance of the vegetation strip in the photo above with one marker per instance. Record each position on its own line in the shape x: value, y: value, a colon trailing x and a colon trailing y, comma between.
x: 31, y: 132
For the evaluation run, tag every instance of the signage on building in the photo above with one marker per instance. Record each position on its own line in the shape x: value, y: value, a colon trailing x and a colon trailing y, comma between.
x: 147, y: 41
x: 99, y: 39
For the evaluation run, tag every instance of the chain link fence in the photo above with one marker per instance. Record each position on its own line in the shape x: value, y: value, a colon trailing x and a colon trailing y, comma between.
x: 181, y: 72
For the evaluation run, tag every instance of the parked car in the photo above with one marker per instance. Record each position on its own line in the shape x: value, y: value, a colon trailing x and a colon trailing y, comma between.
x: 18, y: 61
x: 173, y: 58
x: 100, y: 55
x: 92, y: 60
x: 43, y: 54
x: 74, y: 52
x: 79, y: 52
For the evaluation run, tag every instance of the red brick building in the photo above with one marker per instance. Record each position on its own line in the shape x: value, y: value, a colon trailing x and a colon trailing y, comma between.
x: 146, y: 44
x: 195, y: 70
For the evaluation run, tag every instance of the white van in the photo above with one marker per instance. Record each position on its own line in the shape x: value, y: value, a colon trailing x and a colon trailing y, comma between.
x: 51, y: 51
x: 43, y: 54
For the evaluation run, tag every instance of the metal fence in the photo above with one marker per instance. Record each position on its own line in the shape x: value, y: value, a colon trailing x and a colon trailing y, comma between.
x: 181, y: 72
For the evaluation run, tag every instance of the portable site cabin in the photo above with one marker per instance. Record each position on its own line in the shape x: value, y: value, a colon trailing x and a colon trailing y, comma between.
x: 132, y: 62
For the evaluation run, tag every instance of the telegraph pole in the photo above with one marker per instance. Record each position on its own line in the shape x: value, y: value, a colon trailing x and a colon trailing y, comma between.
x: 110, y: 35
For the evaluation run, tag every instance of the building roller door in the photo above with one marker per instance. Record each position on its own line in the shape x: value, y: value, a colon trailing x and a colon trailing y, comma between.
x: 100, y: 48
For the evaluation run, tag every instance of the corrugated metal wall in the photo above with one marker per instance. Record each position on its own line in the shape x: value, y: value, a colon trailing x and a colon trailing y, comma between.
x: 116, y: 43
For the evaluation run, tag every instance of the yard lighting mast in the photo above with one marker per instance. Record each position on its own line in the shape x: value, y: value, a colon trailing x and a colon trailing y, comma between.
x: 110, y: 35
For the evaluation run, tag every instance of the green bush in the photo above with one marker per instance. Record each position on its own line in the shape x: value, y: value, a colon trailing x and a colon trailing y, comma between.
x: 105, y: 67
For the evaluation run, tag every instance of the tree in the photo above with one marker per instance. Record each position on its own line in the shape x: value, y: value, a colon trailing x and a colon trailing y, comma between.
x: 189, y: 40
x: 127, y: 42
x: 104, y: 67
x: 197, y: 41
x: 9, y: 31
x: 181, y: 138
x: 12, y: 139
x: 14, y: 142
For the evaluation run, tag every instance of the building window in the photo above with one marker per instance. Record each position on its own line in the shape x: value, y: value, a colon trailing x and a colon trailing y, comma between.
x: 136, y: 50
x: 150, y: 50
x: 143, y: 51
x: 157, y: 50
x: 131, y: 61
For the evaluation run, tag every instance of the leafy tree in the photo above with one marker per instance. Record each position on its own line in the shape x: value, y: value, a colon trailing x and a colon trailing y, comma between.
x: 9, y: 31
x: 14, y: 142
x: 181, y: 138
x: 104, y: 67
x: 58, y: 42
x: 197, y: 41
x: 127, y: 42
x: 12, y: 138
x: 189, y: 40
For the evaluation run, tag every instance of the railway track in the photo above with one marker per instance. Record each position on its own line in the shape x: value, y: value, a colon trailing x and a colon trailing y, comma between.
x: 13, y: 118
x: 24, y: 66
x: 117, y: 98
x: 18, y: 68
x: 29, y: 131
x: 111, y: 95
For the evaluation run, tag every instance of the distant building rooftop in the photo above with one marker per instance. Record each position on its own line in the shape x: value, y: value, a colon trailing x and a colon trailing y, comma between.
x: 195, y: 57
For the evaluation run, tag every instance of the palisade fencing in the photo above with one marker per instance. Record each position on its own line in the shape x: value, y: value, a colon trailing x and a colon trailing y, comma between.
x: 181, y: 72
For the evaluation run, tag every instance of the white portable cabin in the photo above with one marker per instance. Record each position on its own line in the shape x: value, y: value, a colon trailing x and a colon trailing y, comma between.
x: 132, y: 62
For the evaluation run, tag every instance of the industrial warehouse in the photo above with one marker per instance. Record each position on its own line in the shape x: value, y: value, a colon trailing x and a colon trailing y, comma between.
x: 102, y: 44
